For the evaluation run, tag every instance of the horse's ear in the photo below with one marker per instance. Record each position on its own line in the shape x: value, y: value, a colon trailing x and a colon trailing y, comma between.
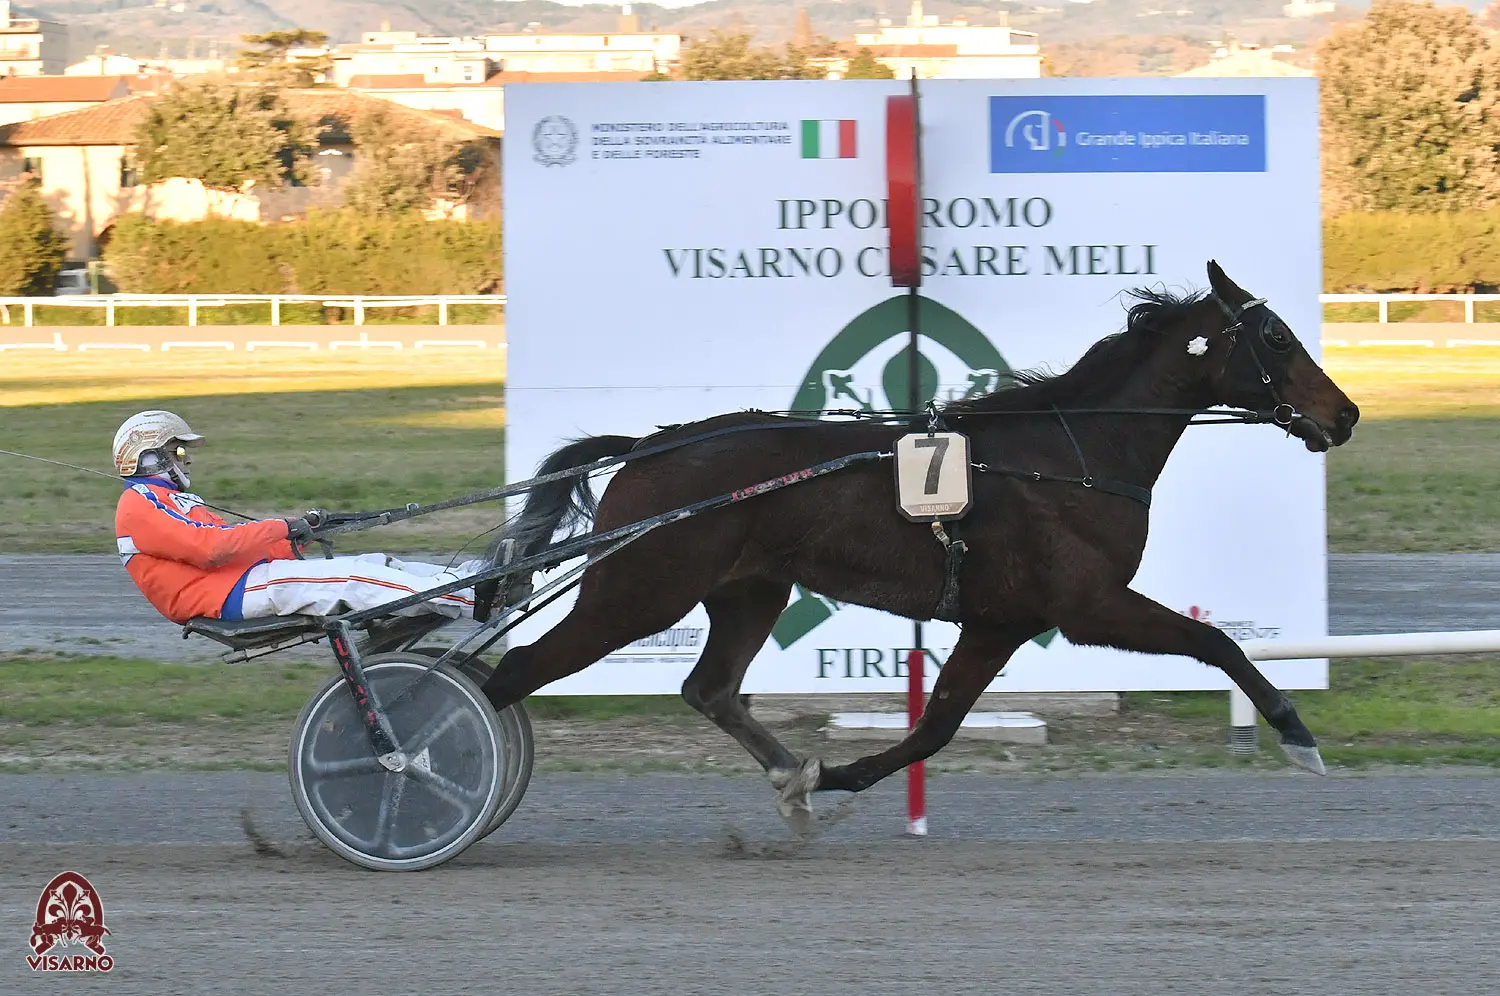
x: 1227, y: 289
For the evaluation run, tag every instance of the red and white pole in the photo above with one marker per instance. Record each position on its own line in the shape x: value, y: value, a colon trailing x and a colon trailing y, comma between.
x: 916, y: 774
x: 903, y: 175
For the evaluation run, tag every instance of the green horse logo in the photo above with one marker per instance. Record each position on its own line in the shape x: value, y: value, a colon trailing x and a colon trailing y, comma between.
x: 867, y: 366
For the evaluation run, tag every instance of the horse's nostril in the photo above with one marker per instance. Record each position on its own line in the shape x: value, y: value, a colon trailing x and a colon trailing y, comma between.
x: 1348, y: 416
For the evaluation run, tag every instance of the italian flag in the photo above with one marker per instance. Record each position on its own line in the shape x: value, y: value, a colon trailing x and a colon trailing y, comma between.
x: 828, y: 140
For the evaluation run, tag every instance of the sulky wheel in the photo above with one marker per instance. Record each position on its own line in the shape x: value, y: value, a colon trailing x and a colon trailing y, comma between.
x: 519, y: 743
x: 443, y: 798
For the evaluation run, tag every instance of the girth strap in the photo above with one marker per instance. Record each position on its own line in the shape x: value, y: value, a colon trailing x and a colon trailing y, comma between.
x: 947, y: 607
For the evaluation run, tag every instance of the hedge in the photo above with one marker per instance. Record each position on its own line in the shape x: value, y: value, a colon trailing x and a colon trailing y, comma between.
x: 341, y: 252
x: 332, y: 252
x: 1392, y: 252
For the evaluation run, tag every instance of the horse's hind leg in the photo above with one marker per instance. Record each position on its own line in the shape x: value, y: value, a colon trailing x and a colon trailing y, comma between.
x: 604, y: 619
x: 741, y: 615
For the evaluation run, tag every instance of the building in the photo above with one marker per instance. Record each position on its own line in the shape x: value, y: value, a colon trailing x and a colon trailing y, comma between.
x: 957, y: 50
x: 1309, y: 8
x: 85, y: 162
x: 480, y: 103
x: 23, y: 98
x: 452, y: 61
x: 30, y: 46
x: 1250, y: 60
x: 104, y: 63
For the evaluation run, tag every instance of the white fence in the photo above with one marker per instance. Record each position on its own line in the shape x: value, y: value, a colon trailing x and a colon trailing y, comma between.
x: 194, y: 303
x: 1242, y: 714
x: 111, y: 303
x: 1384, y: 301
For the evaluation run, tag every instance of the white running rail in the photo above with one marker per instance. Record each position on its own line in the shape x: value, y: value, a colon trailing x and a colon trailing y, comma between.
x: 360, y: 302
x: 193, y: 303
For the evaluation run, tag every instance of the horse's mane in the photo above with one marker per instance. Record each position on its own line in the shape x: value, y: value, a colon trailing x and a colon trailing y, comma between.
x: 1101, y: 370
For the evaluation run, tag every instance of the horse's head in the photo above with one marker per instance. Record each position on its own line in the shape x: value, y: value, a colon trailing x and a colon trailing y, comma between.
x: 1255, y: 361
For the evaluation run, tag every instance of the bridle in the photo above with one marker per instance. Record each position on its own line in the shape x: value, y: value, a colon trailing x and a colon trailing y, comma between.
x: 1283, y: 414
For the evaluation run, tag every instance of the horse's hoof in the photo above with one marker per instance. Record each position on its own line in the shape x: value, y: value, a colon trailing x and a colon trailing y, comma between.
x: 799, y: 821
x: 793, y: 789
x: 1305, y: 757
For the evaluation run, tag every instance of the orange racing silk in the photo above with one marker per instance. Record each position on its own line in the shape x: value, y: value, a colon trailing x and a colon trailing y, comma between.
x: 184, y: 558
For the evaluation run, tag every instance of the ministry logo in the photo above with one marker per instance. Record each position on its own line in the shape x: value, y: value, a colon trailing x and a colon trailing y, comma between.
x: 555, y: 139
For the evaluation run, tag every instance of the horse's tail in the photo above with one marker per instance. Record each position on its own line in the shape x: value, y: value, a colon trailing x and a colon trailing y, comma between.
x: 562, y: 503
x: 548, y: 507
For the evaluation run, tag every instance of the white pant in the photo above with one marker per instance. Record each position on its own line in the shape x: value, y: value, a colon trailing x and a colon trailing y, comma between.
x: 324, y: 587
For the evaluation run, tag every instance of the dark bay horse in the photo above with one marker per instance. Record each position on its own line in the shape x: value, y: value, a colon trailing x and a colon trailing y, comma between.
x: 1041, y: 553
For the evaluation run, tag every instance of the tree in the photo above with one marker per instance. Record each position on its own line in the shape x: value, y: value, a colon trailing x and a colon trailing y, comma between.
x: 1411, y: 111
x: 224, y: 134
x: 404, y: 166
x: 732, y: 57
x: 31, y: 249
x: 864, y: 67
x: 273, y: 59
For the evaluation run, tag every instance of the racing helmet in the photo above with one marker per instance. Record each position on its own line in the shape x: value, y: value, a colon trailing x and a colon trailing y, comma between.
x: 154, y: 443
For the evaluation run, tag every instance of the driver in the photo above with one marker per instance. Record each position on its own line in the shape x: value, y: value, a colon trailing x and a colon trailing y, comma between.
x: 189, y: 562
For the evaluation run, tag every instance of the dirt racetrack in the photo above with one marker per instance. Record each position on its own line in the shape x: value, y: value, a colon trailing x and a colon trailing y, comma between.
x: 1226, y: 883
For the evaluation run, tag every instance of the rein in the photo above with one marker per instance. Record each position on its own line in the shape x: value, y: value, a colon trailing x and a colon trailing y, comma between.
x: 339, y: 522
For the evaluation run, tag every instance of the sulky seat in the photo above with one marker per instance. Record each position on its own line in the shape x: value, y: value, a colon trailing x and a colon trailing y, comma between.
x: 257, y: 637
x: 246, y: 634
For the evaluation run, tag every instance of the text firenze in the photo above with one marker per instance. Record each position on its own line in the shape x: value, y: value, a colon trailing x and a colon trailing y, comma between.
x: 765, y: 262
x: 871, y: 662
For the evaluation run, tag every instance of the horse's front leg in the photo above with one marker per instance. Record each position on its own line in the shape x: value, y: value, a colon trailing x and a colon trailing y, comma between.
x: 978, y: 656
x: 1128, y: 620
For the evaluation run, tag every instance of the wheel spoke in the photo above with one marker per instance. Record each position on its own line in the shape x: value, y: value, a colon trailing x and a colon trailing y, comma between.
x: 434, y: 728
x: 385, y: 817
x: 344, y: 769
x: 465, y: 800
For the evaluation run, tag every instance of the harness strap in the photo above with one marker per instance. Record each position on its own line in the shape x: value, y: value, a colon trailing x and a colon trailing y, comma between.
x: 1087, y: 480
x: 343, y: 523
x: 1122, y: 488
x: 955, y: 548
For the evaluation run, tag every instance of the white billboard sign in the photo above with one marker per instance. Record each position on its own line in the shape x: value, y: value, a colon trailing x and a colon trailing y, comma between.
x: 681, y: 250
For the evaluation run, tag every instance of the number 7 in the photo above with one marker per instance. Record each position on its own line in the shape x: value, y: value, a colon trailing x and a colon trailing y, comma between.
x: 939, y: 447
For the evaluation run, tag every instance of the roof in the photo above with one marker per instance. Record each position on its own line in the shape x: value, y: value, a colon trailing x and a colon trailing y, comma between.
x: 149, y: 82
x: 116, y: 122
x: 521, y: 76
x: 61, y: 89
x: 910, y: 51
x: 336, y: 109
x: 111, y: 123
x: 394, y: 81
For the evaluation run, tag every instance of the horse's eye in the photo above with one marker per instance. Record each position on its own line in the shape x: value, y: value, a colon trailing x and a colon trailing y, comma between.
x: 1276, y: 335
